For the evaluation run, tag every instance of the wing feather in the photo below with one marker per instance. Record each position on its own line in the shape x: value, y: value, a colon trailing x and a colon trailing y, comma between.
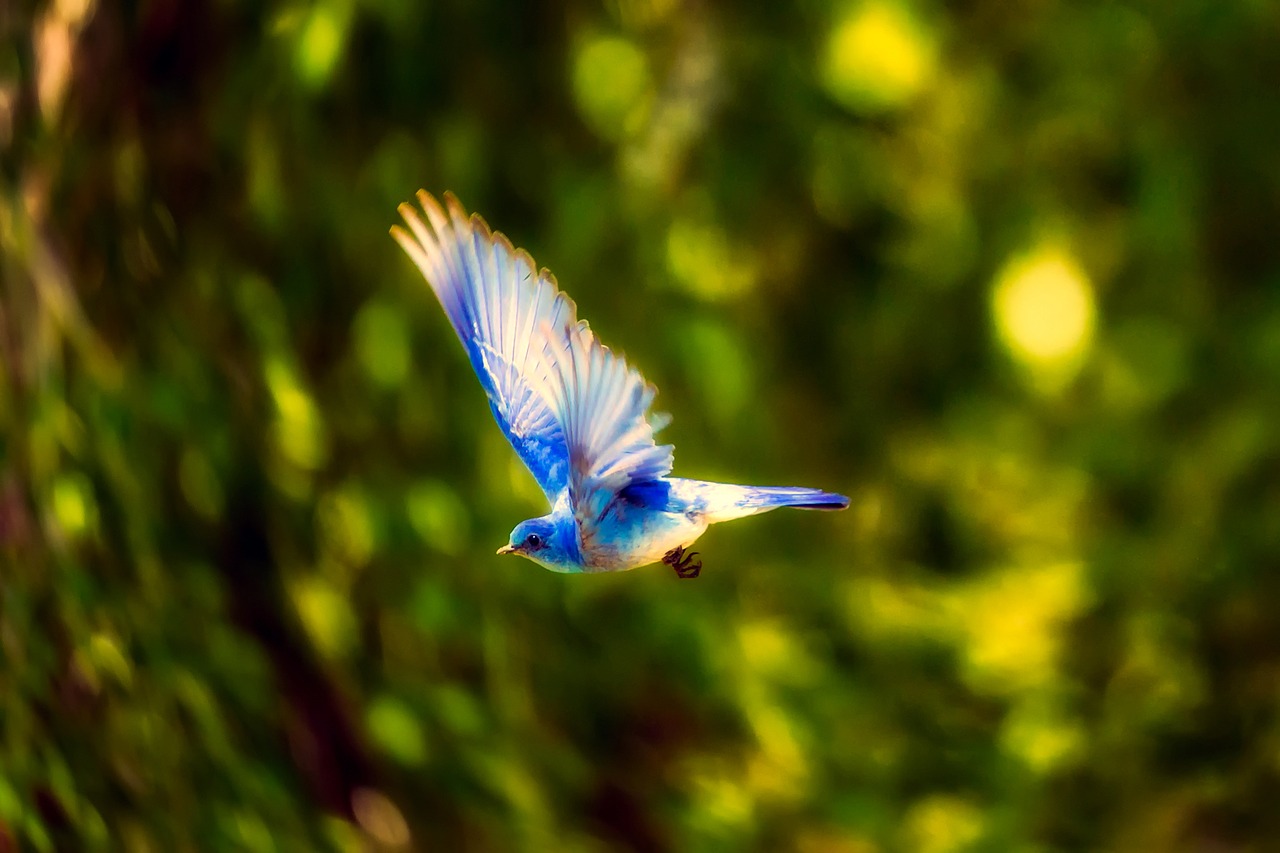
x: 603, y: 405
x: 497, y: 307
x: 575, y: 411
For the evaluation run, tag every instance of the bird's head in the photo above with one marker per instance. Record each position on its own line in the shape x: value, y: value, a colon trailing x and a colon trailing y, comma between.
x: 544, y: 541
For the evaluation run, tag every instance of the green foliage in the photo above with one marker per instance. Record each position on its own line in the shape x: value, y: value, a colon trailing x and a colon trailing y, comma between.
x: 1005, y: 274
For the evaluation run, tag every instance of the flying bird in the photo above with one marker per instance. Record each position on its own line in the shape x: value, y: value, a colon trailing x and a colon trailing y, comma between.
x: 576, y: 413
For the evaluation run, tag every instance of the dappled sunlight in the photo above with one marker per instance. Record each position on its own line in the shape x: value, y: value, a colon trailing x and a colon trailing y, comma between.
x: 1012, y: 623
x: 1038, y: 732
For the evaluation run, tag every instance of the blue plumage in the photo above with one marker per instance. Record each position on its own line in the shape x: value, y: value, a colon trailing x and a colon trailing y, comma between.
x: 576, y: 413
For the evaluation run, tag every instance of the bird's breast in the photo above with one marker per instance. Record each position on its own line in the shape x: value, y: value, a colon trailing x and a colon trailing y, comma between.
x: 630, y: 537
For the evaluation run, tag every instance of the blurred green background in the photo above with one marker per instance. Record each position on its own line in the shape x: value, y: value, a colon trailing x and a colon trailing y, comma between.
x: 1006, y: 274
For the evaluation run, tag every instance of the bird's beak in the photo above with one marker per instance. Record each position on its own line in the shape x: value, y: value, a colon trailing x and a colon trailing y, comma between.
x: 506, y: 549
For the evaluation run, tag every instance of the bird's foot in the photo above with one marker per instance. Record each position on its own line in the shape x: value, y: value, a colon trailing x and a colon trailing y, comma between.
x: 683, y: 562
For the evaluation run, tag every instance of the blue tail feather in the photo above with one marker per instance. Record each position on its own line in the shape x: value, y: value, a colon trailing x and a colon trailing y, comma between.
x: 798, y: 497
x: 726, y: 501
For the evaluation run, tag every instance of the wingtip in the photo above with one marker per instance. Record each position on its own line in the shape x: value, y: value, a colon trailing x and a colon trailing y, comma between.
x: 479, y: 226
x: 401, y: 236
x: 418, y: 237
x: 457, y: 212
x: 505, y: 244
x: 431, y: 207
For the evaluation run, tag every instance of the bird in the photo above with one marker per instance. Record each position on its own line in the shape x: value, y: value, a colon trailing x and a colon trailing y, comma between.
x: 578, y: 415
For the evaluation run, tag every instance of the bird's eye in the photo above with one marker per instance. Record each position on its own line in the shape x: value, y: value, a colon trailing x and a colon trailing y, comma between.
x: 533, y: 540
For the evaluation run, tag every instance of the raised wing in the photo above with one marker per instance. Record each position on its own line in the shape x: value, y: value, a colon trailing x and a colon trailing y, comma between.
x: 602, y: 405
x: 502, y: 307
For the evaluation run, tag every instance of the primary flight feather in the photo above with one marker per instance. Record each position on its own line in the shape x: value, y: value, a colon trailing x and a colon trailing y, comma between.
x: 575, y: 412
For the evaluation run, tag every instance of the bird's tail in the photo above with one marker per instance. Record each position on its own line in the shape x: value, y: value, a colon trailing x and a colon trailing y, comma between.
x: 725, y: 502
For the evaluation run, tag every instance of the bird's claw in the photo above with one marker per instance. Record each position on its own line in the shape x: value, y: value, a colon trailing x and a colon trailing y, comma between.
x: 684, y: 563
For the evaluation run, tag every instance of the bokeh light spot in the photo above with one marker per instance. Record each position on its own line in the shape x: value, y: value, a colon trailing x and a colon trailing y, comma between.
x: 379, y: 817
x: 878, y: 58
x: 346, y: 525
x: 612, y: 86
x: 1036, y: 732
x: 941, y: 824
x: 1044, y: 311
x: 721, y: 802
x: 396, y: 730
x: 107, y: 657
x: 702, y: 260
x: 73, y: 505
x: 326, y: 615
x: 299, y: 431
x: 56, y: 30
x: 319, y: 45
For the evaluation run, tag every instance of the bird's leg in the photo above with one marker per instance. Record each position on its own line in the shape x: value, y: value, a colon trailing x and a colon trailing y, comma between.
x: 686, y: 567
x: 689, y: 568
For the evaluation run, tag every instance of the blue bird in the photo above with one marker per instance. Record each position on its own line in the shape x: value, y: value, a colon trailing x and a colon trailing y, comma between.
x: 573, y: 409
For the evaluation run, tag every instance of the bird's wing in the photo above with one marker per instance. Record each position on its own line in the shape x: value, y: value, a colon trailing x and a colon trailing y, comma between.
x: 501, y: 306
x: 602, y: 405
x: 576, y: 413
